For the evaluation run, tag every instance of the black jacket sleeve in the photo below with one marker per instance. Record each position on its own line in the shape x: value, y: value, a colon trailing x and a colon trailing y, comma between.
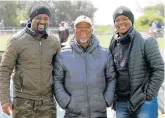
x: 156, y: 67
x: 110, y: 81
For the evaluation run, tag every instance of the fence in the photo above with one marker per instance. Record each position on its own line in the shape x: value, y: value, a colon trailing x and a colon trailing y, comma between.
x: 9, y: 30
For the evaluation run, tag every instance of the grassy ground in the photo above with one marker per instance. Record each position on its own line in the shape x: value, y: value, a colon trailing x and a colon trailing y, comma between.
x: 3, y: 41
x: 161, y: 43
x: 104, y: 39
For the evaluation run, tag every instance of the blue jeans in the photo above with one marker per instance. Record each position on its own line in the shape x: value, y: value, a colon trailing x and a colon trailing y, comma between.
x: 149, y: 109
x: 5, y: 116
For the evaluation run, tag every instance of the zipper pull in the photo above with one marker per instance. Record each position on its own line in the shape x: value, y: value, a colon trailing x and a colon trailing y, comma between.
x: 21, y: 89
x: 40, y: 42
x: 118, y: 42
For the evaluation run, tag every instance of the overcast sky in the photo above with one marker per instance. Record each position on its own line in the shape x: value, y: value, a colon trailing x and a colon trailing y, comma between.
x: 106, y: 8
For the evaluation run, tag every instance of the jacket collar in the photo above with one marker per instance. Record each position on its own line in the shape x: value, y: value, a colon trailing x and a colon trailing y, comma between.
x: 93, y: 44
x: 130, y: 34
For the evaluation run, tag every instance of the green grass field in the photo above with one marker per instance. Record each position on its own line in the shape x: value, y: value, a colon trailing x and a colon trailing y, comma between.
x: 3, y: 41
x: 103, y: 38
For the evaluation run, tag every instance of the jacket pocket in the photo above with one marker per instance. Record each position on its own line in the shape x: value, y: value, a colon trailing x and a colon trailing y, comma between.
x: 104, y: 103
x: 99, y: 105
x: 73, y: 106
x: 18, y: 80
x: 136, y: 101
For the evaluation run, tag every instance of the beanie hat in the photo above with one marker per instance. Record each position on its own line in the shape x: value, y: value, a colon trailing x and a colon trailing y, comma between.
x: 39, y: 9
x: 122, y: 10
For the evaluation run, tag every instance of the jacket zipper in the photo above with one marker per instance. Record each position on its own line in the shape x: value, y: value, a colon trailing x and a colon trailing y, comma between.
x: 41, y: 74
x: 89, y: 110
x: 21, y: 84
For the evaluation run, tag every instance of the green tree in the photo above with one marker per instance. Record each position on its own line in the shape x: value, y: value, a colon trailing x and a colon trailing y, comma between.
x: 8, y: 13
x: 158, y: 9
x: 70, y: 10
x: 14, y: 11
x: 150, y: 13
x: 145, y: 21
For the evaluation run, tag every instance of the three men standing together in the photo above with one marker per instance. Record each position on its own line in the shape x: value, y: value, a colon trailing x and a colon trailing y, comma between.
x: 86, y: 77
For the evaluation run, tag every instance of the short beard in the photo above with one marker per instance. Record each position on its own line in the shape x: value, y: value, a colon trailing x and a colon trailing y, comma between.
x: 41, y: 32
x: 83, y: 41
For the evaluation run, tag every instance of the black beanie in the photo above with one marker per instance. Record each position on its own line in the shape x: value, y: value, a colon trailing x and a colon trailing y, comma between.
x: 39, y: 9
x: 122, y: 10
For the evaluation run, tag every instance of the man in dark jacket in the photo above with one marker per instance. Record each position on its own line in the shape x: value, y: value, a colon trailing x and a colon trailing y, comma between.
x: 29, y: 52
x: 139, y: 68
x: 84, y: 80
x: 63, y: 33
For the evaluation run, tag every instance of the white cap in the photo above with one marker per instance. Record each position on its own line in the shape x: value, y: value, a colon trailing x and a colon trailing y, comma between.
x: 82, y: 18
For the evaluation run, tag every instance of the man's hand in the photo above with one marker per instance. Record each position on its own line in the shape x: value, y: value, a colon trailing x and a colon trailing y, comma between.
x: 7, y: 108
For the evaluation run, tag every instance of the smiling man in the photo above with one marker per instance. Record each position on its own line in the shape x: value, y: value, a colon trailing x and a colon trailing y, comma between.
x: 29, y: 55
x: 139, y: 67
x: 84, y: 79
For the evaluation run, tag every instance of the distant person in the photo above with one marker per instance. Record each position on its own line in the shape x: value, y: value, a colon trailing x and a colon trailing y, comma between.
x: 2, y: 26
x: 22, y: 23
x: 84, y: 78
x: 154, y: 24
x: 153, y: 29
x: 159, y: 27
x: 139, y: 67
x: 29, y: 56
x: 63, y: 33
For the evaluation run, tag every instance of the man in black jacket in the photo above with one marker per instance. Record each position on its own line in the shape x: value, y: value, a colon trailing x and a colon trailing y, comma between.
x: 139, y: 68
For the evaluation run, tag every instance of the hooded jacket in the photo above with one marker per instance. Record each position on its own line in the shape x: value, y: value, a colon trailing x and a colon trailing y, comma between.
x: 146, y: 69
x: 84, y: 81
x: 31, y: 60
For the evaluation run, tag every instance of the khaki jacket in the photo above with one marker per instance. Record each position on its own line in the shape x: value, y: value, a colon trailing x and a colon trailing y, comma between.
x: 31, y: 60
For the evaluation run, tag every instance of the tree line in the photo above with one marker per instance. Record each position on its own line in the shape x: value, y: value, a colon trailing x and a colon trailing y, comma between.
x: 151, y: 13
x: 12, y: 12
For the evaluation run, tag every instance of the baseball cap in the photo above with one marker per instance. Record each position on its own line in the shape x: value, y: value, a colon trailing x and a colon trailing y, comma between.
x: 82, y: 18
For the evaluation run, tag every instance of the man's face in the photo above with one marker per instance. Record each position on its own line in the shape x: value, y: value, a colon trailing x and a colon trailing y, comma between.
x: 83, y: 32
x: 122, y: 24
x: 40, y: 22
